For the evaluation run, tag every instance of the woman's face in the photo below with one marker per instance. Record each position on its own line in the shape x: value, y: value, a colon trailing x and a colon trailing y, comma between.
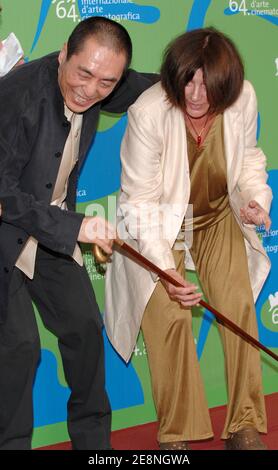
x: 196, y: 103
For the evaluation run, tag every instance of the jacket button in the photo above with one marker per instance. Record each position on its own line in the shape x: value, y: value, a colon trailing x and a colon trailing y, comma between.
x: 6, y: 270
x: 19, y: 241
x: 58, y: 154
x: 48, y: 185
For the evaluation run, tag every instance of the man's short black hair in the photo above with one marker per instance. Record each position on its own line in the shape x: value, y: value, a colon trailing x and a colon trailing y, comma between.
x: 105, y: 31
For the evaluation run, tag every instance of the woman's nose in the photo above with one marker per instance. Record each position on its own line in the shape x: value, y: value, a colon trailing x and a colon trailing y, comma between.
x: 196, y: 93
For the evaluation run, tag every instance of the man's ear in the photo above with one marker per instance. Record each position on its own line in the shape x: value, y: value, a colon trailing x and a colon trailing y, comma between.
x: 63, y: 54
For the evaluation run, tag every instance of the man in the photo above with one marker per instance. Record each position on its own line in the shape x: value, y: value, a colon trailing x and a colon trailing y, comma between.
x: 49, y: 111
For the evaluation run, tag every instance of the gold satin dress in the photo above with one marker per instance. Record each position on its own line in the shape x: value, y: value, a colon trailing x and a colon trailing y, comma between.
x: 219, y: 255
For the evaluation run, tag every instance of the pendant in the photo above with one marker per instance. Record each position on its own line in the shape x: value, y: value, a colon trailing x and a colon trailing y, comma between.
x: 199, y: 138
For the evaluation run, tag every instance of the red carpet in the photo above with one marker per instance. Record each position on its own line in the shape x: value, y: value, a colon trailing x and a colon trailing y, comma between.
x: 144, y: 437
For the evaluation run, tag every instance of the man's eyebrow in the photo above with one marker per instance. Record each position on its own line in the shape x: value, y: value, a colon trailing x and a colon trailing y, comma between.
x: 106, y: 79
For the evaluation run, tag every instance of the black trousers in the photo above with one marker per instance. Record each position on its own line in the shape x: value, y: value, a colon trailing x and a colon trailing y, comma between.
x: 64, y: 296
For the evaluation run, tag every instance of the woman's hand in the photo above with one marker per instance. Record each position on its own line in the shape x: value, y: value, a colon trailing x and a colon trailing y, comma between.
x: 255, y: 214
x: 186, y: 296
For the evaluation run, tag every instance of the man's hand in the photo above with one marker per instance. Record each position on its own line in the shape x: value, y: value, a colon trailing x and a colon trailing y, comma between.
x: 255, y: 214
x: 99, y: 231
x: 186, y: 296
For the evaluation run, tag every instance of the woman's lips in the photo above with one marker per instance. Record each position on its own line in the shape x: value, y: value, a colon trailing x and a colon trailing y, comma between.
x: 195, y: 106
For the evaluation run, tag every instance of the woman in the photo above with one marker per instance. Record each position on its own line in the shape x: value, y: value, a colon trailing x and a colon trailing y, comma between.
x: 191, y: 139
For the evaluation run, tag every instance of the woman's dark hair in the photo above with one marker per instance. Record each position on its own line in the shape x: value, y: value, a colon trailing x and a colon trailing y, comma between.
x: 105, y: 31
x: 217, y: 56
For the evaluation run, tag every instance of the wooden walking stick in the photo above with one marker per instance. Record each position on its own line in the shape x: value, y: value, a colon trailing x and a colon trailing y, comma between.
x: 101, y: 257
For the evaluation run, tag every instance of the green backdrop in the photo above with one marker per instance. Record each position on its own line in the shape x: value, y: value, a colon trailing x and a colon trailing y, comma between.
x: 42, y: 27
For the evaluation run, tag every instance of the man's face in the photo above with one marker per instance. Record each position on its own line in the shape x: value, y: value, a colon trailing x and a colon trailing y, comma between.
x: 90, y: 75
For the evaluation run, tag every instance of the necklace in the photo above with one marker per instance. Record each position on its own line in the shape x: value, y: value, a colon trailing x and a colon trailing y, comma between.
x: 198, y: 134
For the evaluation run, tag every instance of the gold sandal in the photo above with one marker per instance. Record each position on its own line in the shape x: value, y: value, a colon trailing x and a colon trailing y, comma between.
x: 245, y: 439
x: 178, y: 445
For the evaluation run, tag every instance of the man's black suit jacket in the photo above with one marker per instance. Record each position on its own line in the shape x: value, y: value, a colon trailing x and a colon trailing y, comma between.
x: 33, y: 132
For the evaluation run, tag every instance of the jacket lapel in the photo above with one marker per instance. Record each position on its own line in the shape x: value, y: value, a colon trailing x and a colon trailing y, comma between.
x: 89, y: 127
x: 234, y: 144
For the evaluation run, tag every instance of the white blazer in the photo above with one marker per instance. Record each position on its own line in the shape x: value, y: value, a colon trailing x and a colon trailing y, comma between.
x: 155, y: 171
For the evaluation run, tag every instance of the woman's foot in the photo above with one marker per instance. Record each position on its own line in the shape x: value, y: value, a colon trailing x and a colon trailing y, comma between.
x: 177, y: 445
x: 245, y: 439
